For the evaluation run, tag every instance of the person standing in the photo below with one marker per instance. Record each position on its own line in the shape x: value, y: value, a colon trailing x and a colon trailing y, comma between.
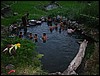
x: 49, y: 21
x: 51, y: 28
x: 56, y: 27
x: 24, y: 22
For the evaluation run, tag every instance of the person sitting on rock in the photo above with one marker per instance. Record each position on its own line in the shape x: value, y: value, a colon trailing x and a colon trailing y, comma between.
x: 59, y: 18
x: 62, y: 25
x: 44, y: 37
x: 13, y: 29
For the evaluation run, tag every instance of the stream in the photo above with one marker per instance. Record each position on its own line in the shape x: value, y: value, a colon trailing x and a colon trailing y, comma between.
x: 59, y: 50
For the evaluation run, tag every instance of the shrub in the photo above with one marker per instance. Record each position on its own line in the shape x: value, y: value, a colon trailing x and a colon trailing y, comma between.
x: 25, y: 55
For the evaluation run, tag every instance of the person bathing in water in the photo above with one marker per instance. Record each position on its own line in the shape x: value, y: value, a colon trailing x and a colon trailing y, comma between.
x: 20, y: 35
x: 49, y: 21
x: 56, y: 27
x: 30, y: 36
x: 35, y: 38
x: 44, y: 37
x: 61, y: 25
x: 70, y: 31
x: 51, y: 28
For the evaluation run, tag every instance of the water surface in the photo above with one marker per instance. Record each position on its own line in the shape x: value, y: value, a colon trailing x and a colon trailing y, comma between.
x: 59, y: 49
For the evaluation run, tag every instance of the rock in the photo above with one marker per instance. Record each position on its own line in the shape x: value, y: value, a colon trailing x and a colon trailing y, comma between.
x: 15, y: 13
x: 9, y: 66
x: 56, y: 73
x: 77, y: 60
x: 3, y: 74
x: 51, y: 6
x: 2, y: 17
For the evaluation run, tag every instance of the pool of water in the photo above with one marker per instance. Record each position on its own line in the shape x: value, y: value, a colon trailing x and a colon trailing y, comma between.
x: 59, y: 49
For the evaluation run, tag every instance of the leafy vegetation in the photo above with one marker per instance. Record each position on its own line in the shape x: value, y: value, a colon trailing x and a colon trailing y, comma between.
x: 25, y: 6
x: 93, y: 9
x: 4, y: 3
x: 90, y: 14
x: 69, y: 9
x: 92, y: 60
x: 25, y: 57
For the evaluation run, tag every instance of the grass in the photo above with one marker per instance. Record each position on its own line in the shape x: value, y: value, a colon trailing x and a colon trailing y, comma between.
x: 92, y: 60
x: 25, y: 6
x: 89, y: 50
x: 29, y: 6
x: 29, y: 70
x: 8, y: 21
x: 26, y: 57
x: 4, y: 3
x: 35, y: 9
x: 70, y: 9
